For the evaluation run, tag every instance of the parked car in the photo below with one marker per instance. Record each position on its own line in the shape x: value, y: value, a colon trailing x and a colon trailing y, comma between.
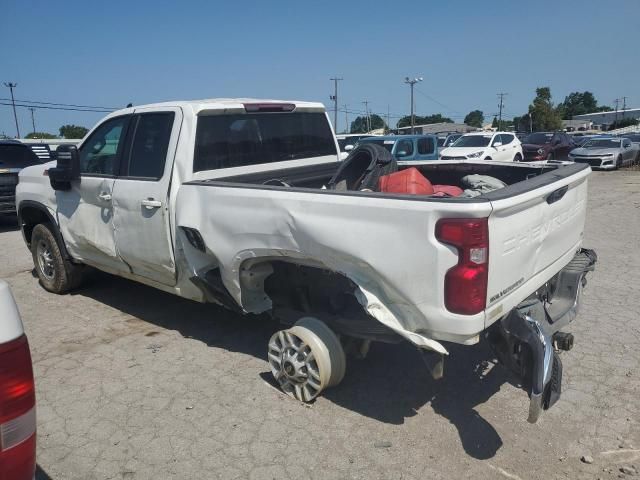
x: 236, y: 203
x: 634, y: 137
x: 14, y: 156
x: 580, y: 140
x: 17, y: 394
x: 347, y: 142
x: 540, y: 146
x: 500, y: 146
x: 408, y: 148
x: 449, y: 140
x: 607, y: 153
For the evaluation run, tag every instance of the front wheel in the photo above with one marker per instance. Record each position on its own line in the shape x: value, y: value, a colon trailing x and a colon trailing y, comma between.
x: 306, y: 359
x: 517, y: 158
x: 56, y: 274
x: 618, y: 162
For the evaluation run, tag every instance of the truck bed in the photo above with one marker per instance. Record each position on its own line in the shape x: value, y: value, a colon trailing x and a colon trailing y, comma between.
x: 385, y: 244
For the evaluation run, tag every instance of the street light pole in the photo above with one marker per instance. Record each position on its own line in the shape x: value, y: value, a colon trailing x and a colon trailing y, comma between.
x: 411, y: 82
x: 11, y: 86
x: 335, y: 103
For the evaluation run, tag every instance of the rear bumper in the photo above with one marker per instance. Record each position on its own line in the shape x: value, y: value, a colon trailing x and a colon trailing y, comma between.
x: 528, y: 339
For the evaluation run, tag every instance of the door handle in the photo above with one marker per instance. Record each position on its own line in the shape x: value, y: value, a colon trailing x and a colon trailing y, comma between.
x: 105, y: 196
x: 151, y: 203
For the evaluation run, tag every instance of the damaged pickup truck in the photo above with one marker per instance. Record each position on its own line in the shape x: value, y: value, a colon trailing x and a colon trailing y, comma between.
x: 235, y: 202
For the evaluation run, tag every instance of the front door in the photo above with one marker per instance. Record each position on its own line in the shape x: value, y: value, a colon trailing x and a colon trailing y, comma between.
x: 85, y: 213
x: 140, y: 195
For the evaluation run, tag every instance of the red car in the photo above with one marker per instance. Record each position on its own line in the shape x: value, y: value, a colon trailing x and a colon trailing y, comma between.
x: 547, y: 146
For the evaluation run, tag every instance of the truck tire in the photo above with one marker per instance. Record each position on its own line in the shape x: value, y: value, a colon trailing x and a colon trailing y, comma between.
x: 306, y: 359
x: 56, y: 274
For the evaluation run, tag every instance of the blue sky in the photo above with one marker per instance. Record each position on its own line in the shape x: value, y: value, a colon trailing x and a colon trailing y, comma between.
x: 113, y: 53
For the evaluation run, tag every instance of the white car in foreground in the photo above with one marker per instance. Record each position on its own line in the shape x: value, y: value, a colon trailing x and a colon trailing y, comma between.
x: 17, y: 395
x: 500, y: 146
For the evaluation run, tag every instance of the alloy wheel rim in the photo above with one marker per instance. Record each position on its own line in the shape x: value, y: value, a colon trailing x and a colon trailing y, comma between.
x: 45, y: 260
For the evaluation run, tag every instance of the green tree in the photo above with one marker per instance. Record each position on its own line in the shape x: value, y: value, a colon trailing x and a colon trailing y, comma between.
x: 359, y: 125
x: 577, y: 103
x: 494, y: 124
x: 40, y: 135
x: 474, y: 118
x: 545, y: 116
x: 73, y: 131
x: 418, y: 120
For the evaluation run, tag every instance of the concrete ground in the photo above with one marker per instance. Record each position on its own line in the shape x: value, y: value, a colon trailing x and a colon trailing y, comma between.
x: 133, y: 383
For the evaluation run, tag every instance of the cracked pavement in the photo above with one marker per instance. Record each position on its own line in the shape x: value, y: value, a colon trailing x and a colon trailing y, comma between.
x: 134, y: 383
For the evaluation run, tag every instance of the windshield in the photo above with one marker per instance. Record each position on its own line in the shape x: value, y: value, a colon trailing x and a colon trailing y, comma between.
x: 388, y: 144
x: 224, y: 141
x: 17, y: 156
x: 602, y: 143
x: 472, y: 141
x: 538, y: 138
x: 633, y: 137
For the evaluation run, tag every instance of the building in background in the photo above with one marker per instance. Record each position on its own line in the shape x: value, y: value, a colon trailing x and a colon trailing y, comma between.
x: 433, y: 128
x: 602, y: 120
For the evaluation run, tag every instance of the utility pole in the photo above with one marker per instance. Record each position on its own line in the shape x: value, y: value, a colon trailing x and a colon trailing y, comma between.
x: 501, y: 95
x: 11, y: 86
x: 334, y: 97
x: 617, y: 101
x: 346, y: 119
x: 366, y: 109
x: 412, y: 82
x: 624, y: 106
x: 388, y: 116
x: 33, y: 120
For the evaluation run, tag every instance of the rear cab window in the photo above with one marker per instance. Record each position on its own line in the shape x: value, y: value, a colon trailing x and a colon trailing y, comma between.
x: 236, y: 140
x: 426, y: 146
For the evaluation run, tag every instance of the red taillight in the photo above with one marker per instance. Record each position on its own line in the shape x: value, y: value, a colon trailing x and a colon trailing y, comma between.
x: 17, y: 411
x: 465, y: 285
x: 268, y: 107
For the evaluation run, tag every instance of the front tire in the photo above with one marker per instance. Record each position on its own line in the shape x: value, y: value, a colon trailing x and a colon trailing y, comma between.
x: 517, y: 158
x: 618, y: 163
x: 56, y: 274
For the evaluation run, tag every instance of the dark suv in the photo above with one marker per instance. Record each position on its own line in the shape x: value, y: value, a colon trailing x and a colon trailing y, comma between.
x: 547, y: 146
x: 14, y: 156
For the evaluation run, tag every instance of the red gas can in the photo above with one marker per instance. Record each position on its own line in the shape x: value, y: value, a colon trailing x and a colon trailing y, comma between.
x: 409, y: 181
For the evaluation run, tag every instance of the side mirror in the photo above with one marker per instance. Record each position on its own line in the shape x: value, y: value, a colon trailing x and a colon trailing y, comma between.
x: 348, y: 148
x: 67, y: 169
x: 497, y: 144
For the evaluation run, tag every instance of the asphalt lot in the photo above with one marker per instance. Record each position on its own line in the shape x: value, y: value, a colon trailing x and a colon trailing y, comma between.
x: 133, y: 383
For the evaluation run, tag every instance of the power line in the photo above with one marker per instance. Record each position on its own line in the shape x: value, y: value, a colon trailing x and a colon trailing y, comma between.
x: 63, y: 104
x: 58, y: 108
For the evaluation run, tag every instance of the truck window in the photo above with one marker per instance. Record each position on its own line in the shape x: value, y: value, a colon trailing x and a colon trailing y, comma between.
x: 17, y: 156
x: 98, y: 155
x: 224, y: 141
x: 425, y: 146
x: 150, y: 143
x: 405, y: 146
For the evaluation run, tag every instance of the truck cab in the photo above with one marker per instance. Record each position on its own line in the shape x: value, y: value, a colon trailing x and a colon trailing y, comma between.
x: 408, y: 148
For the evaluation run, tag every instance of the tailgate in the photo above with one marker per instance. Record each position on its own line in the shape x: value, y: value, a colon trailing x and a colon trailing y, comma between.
x: 534, y: 230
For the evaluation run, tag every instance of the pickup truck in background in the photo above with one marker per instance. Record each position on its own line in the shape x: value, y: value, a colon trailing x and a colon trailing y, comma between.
x: 226, y: 201
x: 407, y: 148
x: 14, y: 156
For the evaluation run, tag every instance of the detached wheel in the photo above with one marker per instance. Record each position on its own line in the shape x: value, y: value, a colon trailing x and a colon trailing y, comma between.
x: 56, y: 274
x: 306, y: 359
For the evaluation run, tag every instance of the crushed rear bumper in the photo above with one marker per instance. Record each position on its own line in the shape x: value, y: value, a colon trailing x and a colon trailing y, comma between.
x: 529, y: 338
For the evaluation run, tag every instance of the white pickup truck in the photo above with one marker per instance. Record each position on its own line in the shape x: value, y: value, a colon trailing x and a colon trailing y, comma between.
x: 226, y: 201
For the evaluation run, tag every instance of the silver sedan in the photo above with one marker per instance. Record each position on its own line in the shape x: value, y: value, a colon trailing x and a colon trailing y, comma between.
x: 609, y: 153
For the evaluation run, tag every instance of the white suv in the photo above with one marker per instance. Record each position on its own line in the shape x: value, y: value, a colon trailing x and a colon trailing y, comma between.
x: 501, y: 146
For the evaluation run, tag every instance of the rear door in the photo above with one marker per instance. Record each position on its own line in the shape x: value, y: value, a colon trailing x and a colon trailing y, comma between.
x: 532, y: 233
x: 140, y: 195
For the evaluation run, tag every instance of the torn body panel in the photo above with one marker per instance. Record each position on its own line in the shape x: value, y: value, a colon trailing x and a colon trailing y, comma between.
x: 399, y: 284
